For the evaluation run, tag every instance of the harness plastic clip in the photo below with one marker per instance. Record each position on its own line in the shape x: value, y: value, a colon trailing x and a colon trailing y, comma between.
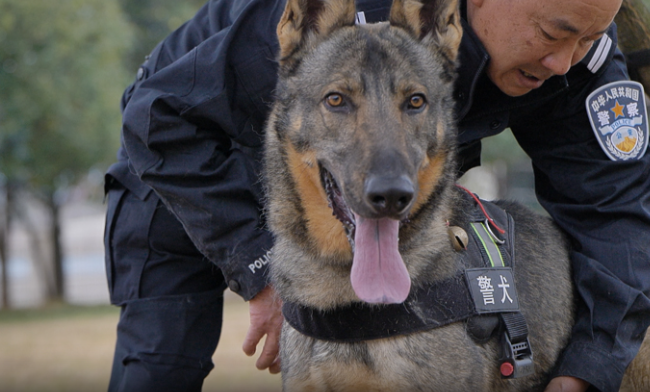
x: 518, y: 358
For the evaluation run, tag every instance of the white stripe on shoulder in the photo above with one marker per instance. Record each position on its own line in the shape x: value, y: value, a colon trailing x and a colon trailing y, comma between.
x: 360, y: 18
x: 599, y: 57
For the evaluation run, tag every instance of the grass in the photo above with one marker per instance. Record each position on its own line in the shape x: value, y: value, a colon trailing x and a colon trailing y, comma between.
x: 54, y: 311
x: 70, y: 348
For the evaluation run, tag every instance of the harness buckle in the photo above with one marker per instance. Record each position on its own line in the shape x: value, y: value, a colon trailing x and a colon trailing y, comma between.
x: 517, y: 358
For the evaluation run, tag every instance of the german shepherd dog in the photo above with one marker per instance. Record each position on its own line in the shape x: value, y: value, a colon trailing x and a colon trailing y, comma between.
x: 360, y: 177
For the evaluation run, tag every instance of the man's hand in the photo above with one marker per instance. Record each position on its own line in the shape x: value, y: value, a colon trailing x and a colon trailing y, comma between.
x: 265, y: 319
x: 567, y: 384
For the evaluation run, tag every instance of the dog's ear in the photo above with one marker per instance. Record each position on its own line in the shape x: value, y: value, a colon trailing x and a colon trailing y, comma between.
x: 303, y: 18
x: 435, y: 20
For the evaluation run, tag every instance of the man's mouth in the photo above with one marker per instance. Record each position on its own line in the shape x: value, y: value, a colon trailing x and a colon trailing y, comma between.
x: 530, y: 76
x: 530, y: 81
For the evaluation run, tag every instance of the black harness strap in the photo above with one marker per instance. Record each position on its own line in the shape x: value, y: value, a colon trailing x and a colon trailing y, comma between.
x: 424, y: 309
x: 517, y: 355
x: 516, y: 327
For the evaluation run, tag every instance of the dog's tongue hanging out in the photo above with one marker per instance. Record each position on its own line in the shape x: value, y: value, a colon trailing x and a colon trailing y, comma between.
x: 378, y: 272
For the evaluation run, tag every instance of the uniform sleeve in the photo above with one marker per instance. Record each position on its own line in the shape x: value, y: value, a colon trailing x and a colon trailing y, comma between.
x: 604, y: 207
x: 192, y: 130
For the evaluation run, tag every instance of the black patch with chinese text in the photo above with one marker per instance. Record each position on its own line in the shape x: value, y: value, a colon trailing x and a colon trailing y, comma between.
x: 492, y: 289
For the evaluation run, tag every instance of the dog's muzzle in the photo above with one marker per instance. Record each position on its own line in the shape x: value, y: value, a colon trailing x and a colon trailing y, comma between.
x: 378, y: 273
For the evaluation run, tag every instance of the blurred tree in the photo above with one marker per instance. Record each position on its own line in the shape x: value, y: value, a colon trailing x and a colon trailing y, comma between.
x: 62, y: 74
x: 153, y: 20
x: 633, y: 22
x: 5, y: 216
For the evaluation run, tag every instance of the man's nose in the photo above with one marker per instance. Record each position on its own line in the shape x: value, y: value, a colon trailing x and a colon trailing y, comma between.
x: 560, y: 60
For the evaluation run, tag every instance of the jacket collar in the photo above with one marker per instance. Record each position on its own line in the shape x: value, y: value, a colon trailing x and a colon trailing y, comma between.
x: 473, y: 59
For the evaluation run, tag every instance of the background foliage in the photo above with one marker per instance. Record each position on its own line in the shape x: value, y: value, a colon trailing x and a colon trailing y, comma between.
x: 63, y: 67
x: 60, y: 75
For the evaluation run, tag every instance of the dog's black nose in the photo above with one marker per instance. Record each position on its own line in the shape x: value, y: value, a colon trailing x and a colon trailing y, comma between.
x: 389, y: 197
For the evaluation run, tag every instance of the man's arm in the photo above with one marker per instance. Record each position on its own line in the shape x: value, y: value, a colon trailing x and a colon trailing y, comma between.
x: 192, y: 131
x: 604, y: 206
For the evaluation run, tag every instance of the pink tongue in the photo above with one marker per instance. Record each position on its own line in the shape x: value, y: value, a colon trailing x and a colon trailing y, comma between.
x: 378, y: 271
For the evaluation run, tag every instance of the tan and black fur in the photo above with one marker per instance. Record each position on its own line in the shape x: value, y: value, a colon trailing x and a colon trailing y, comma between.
x: 349, y: 109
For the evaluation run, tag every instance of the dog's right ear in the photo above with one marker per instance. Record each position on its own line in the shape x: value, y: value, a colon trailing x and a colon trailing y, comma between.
x: 304, y: 18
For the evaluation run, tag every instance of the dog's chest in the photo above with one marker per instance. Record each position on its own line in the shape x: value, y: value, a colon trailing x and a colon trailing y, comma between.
x: 426, y: 362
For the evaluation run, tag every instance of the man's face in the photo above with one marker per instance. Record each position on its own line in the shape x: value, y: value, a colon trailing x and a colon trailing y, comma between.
x: 531, y: 40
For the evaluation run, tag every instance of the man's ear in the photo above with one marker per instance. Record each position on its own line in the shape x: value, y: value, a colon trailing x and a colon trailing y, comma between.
x: 305, y: 18
x: 437, y: 21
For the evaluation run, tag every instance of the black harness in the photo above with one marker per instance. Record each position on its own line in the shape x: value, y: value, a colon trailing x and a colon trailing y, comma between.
x: 485, y: 287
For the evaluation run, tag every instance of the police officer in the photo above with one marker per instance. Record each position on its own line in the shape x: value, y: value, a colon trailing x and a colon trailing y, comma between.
x: 184, y: 198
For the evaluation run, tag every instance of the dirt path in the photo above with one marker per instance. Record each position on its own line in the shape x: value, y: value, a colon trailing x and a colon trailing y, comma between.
x: 74, y: 354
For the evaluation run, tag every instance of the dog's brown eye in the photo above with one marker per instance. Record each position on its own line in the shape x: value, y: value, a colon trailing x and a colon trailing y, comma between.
x: 334, y: 100
x: 416, y: 101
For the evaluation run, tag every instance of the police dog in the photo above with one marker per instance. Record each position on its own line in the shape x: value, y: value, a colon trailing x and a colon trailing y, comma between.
x: 360, y: 177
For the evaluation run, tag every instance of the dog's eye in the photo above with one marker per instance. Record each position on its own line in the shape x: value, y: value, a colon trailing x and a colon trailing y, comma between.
x: 416, y: 101
x: 334, y: 100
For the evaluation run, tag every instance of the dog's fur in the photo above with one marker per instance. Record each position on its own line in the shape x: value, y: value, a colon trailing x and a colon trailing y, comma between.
x: 349, y: 111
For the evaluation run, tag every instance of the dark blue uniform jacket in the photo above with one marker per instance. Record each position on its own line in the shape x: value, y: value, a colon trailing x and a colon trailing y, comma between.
x: 193, y: 130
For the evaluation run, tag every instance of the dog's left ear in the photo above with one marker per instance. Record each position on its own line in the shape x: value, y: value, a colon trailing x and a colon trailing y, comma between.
x: 434, y: 20
x: 303, y: 19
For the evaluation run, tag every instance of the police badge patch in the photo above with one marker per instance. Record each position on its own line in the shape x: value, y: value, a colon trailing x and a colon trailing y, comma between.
x: 618, y: 116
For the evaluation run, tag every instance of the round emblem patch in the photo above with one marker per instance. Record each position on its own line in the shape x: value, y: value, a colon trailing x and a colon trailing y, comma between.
x: 618, y: 116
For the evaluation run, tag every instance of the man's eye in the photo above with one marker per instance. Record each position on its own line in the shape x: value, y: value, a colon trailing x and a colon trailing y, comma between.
x: 547, y: 35
x: 587, y: 42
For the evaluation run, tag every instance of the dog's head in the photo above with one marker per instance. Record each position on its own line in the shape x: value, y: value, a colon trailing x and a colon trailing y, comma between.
x: 364, y: 124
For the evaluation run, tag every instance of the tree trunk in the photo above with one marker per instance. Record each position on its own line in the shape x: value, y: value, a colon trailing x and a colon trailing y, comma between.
x: 39, y: 251
x: 633, y: 21
x: 57, y: 248
x: 5, y: 224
